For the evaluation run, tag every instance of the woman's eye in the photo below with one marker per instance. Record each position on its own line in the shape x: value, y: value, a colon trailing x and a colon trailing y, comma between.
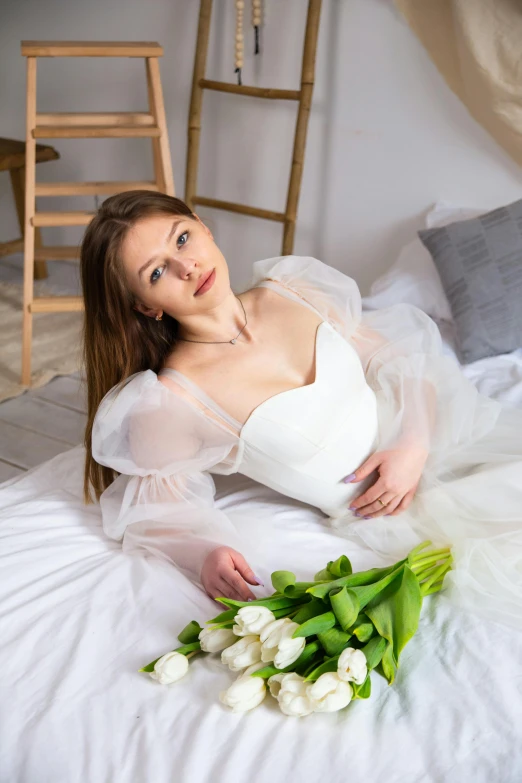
x: 155, y: 276
x: 184, y: 234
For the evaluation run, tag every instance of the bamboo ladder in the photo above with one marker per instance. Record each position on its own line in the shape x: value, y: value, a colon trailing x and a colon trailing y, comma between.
x: 151, y: 124
x: 303, y: 96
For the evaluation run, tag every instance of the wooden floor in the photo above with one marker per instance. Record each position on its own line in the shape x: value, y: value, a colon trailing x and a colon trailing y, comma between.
x: 41, y: 423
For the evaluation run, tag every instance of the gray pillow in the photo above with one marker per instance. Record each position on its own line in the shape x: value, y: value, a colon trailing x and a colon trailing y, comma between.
x: 480, y: 266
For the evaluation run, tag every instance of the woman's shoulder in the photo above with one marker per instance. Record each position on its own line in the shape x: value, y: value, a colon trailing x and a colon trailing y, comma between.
x: 143, y: 427
x: 332, y: 293
x: 123, y: 397
x: 286, y: 268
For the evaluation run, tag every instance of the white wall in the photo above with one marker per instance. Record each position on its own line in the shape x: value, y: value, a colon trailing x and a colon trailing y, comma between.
x: 386, y: 136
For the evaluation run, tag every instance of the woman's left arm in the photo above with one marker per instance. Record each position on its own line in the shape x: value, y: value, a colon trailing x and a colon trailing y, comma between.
x: 398, y: 466
x: 399, y: 471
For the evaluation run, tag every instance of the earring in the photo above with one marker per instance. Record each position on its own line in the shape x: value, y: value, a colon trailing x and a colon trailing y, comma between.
x: 159, y: 317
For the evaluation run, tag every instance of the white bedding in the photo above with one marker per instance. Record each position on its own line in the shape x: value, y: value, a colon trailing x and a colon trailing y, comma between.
x: 78, y: 619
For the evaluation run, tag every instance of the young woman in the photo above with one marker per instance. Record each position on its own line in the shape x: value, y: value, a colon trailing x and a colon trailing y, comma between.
x: 289, y: 383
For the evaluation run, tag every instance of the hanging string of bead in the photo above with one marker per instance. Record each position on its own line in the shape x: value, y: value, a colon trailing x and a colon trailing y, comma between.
x: 256, y: 21
x: 240, y: 7
x: 257, y: 15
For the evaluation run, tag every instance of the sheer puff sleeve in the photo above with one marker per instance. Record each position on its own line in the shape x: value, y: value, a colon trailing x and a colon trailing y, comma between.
x: 163, y: 447
x: 423, y: 397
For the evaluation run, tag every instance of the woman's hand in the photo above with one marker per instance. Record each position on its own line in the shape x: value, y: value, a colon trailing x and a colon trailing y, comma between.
x: 399, y: 471
x: 224, y: 573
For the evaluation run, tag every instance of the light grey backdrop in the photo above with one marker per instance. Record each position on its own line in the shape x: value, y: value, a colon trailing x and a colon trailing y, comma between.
x: 386, y: 136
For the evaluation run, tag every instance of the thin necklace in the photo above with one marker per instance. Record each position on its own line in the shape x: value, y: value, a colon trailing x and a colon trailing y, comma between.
x: 220, y: 342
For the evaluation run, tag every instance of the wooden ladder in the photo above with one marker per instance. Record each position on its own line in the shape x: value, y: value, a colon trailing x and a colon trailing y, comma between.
x: 151, y: 124
x: 303, y: 96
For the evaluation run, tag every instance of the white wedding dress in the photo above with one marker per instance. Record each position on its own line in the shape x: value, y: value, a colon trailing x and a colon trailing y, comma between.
x: 381, y: 381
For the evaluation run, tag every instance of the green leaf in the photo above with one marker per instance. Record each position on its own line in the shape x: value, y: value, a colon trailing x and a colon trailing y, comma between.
x: 323, y: 576
x: 387, y: 667
x: 364, y: 631
x: 224, y: 617
x: 315, y: 625
x: 353, y: 580
x: 362, y: 628
x: 340, y: 567
x: 374, y: 651
x: 368, y: 593
x: 287, y: 611
x: 280, y: 602
x: 329, y: 665
x: 345, y: 605
x: 190, y: 633
x: 284, y: 582
x: 187, y: 648
x: 395, y: 613
x: 308, y: 653
x: 333, y: 641
x: 362, y: 691
x: 282, y: 579
x: 305, y: 671
x: 150, y: 666
x: 308, y: 610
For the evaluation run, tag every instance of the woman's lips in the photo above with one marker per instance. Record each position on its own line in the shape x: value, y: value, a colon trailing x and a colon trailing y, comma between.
x: 209, y: 282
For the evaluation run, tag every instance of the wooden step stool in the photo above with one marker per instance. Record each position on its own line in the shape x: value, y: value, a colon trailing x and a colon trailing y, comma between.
x: 151, y: 124
x: 12, y: 159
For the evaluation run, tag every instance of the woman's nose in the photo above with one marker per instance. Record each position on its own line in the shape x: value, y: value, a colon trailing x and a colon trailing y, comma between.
x: 185, y: 267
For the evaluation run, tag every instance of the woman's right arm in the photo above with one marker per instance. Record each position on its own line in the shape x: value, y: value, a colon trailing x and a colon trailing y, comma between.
x: 163, y: 501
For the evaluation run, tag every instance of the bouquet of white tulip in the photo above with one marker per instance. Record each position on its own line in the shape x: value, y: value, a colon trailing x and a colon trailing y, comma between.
x: 315, y: 643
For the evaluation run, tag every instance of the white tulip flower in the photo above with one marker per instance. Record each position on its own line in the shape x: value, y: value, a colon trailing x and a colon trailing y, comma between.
x: 278, y: 645
x: 243, y: 653
x: 170, y: 668
x: 251, y: 669
x: 244, y: 694
x: 274, y: 684
x: 292, y: 696
x: 216, y: 639
x: 352, y: 666
x: 328, y: 693
x: 252, y: 619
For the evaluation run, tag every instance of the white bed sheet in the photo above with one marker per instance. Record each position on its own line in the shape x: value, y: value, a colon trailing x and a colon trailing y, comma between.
x: 78, y: 619
x: 499, y: 377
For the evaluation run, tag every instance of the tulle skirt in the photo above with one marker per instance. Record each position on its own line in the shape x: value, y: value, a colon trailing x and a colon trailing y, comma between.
x: 471, y: 501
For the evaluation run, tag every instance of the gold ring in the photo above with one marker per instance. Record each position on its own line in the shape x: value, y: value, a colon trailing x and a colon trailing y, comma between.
x: 380, y: 501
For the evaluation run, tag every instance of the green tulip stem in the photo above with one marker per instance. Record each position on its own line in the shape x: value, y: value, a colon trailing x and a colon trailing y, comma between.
x: 419, y: 548
x: 433, y: 589
x: 437, y: 576
x: 432, y: 557
x: 427, y: 571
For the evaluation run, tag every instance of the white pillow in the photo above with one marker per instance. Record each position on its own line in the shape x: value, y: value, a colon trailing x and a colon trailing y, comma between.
x: 413, y: 278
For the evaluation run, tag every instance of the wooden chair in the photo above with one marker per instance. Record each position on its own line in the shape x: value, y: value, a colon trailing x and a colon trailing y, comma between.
x: 151, y: 124
x: 303, y: 96
x: 12, y: 159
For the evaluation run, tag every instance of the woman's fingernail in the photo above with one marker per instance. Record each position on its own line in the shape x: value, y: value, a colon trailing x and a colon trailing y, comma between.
x: 259, y: 581
x: 352, y: 508
x: 349, y: 478
x: 366, y: 517
x: 250, y: 599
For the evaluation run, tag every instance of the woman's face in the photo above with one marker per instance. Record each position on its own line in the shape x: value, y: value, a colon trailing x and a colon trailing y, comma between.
x: 166, y: 259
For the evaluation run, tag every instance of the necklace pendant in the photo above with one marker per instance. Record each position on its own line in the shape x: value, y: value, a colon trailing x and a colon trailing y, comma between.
x: 233, y: 341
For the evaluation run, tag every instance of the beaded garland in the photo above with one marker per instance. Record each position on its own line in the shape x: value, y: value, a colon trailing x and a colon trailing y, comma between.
x: 239, y: 43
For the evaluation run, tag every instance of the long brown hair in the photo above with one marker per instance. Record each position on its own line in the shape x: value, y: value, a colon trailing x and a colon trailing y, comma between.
x: 117, y: 339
